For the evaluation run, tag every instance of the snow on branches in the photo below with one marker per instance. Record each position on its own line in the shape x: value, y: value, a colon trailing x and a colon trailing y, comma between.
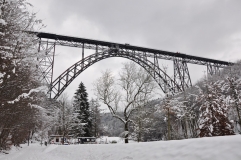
x: 213, y: 119
x: 20, y: 89
x: 27, y: 95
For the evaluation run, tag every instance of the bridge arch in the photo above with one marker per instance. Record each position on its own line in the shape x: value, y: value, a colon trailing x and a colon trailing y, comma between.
x: 181, y: 80
x: 166, y: 83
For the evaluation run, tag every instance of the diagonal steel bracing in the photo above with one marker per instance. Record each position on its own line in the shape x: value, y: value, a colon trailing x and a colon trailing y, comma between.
x: 46, y: 60
x: 103, y: 50
x: 61, y: 83
x: 213, y: 69
x: 181, y: 73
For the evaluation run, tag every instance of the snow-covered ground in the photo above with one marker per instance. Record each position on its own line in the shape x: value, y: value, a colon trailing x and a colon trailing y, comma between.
x: 107, y: 140
x: 214, y: 148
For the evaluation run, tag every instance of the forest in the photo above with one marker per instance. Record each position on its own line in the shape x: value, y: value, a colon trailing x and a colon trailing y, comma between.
x: 210, y: 108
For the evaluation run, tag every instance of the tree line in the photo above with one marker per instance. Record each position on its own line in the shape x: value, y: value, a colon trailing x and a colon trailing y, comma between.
x: 210, y: 108
x: 26, y: 112
x: 79, y: 118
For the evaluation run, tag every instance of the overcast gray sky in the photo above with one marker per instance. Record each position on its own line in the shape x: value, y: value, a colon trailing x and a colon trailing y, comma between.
x: 206, y: 28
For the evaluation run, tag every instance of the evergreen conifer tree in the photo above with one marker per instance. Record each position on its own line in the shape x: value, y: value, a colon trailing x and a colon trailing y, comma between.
x: 213, y: 119
x: 82, y: 110
x: 19, y: 86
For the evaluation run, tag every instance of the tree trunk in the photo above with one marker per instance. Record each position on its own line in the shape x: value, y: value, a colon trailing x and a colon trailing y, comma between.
x: 186, y: 127
x: 183, y: 129
x: 126, y: 132
x: 139, y: 130
x: 236, y: 103
x: 238, y: 116
x: 168, y: 124
x: 191, y: 128
x: 29, y: 136
x: 3, y: 138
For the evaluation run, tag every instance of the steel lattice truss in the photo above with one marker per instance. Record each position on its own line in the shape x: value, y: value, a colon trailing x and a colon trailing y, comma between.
x: 103, y: 50
x: 60, y: 83
x: 181, y: 74
x: 46, y: 60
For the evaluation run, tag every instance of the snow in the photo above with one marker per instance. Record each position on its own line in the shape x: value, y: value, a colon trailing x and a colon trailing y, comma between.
x: 1, y: 77
x: 2, y: 74
x: 106, y: 139
x: 208, y: 148
x: 25, y: 95
x: 3, y: 22
x: 14, y: 70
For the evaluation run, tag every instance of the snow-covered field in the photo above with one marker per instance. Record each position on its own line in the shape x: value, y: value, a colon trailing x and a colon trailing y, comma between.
x: 214, y: 148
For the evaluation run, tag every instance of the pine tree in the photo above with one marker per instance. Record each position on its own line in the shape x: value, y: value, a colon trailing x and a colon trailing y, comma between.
x: 82, y: 110
x: 213, y: 120
x: 18, y: 83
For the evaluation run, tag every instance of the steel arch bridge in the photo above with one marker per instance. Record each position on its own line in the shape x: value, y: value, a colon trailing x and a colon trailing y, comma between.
x: 145, y: 57
x: 60, y: 83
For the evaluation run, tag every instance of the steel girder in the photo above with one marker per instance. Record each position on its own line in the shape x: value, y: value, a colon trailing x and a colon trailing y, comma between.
x: 46, y: 60
x: 181, y: 73
x: 61, y: 82
x: 149, y: 52
x: 90, y: 44
x: 213, y: 69
x: 213, y: 66
x: 140, y: 55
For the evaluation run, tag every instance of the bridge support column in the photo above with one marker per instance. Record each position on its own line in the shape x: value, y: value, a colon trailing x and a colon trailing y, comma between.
x: 83, y: 55
x: 213, y: 69
x: 181, y: 73
x: 156, y: 65
x: 46, y: 53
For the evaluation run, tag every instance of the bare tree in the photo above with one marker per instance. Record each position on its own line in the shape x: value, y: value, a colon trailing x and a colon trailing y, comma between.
x: 95, y: 117
x: 66, y: 116
x: 134, y: 87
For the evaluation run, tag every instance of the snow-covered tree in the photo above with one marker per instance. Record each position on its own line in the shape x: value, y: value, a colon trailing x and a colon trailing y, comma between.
x: 95, y: 117
x: 46, y: 120
x: 213, y: 120
x: 133, y: 89
x: 19, y: 86
x: 186, y: 115
x: 66, y: 117
x: 171, y: 106
x: 82, y: 109
x: 233, y: 89
x: 142, y: 125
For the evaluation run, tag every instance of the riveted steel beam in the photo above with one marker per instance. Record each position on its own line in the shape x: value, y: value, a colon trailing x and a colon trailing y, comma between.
x: 103, y: 50
x: 61, y: 82
x: 45, y: 59
x: 181, y: 73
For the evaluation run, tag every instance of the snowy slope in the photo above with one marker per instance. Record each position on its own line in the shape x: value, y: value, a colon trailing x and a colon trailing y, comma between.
x: 214, y: 148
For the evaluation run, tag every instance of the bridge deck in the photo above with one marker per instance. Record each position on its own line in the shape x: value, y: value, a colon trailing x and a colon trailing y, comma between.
x: 188, y: 58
